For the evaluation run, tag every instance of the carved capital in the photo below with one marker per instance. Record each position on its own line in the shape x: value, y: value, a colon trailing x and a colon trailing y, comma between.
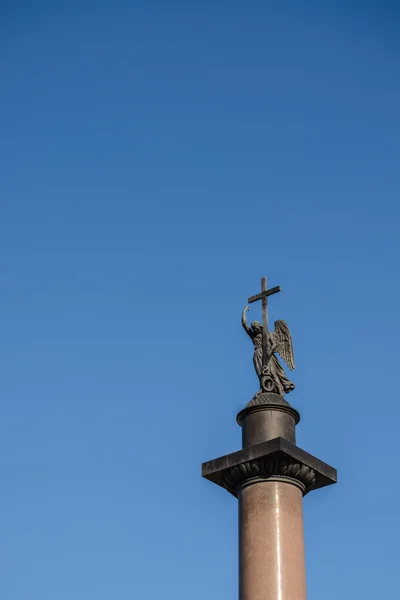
x: 274, y: 460
x: 269, y: 469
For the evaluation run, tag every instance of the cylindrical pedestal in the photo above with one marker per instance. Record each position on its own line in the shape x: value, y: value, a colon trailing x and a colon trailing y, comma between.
x: 265, y: 423
x: 266, y: 417
x: 271, y: 542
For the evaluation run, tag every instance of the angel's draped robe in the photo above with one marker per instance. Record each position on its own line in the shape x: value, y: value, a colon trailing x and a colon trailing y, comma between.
x: 276, y: 371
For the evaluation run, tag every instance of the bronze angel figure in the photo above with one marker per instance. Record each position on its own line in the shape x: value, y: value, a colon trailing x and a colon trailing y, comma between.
x: 279, y: 341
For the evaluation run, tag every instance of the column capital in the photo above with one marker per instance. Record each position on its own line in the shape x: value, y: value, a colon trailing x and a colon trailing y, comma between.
x: 274, y: 460
x: 269, y: 469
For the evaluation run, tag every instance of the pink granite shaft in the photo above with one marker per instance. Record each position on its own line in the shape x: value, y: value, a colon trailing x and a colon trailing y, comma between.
x: 271, y: 542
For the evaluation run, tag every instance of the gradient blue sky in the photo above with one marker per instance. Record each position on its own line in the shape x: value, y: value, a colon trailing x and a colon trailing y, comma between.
x: 157, y: 158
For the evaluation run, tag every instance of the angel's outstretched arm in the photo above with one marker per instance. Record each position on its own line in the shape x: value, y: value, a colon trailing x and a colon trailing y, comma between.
x: 244, y: 322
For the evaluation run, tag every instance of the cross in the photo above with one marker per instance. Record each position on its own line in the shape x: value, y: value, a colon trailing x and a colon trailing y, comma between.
x: 263, y: 297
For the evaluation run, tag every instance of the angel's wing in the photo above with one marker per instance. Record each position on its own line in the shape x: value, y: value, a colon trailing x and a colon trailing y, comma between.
x: 285, y: 346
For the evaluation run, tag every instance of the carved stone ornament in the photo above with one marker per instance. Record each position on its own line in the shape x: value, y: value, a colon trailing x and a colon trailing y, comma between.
x: 262, y: 398
x: 274, y: 460
x: 269, y: 469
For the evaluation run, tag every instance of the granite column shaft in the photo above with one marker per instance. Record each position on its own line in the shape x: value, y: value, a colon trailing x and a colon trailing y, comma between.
x: 271, y: 542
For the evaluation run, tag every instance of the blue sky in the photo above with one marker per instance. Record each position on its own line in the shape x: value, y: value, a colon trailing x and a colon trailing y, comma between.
x: 157, y: 159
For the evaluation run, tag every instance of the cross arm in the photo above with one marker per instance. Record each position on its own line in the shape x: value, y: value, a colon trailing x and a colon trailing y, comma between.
x: 273, y: 290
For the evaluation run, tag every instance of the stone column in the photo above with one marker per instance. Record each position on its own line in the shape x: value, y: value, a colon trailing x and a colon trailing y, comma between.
x: 271, y: 544
x: 271, y: 538
x: 270, y: 476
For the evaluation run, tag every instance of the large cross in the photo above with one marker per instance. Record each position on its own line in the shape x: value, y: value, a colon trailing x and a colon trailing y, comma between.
x: 263, y: 297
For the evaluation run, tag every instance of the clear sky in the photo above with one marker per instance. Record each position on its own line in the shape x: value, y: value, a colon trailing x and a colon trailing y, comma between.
x: 157, y: 158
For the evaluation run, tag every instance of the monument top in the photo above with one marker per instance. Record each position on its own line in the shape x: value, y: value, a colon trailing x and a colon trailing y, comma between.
x: 270, y: 474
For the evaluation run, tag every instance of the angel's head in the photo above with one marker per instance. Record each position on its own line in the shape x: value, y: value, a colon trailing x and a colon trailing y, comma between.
x: 256, y: 327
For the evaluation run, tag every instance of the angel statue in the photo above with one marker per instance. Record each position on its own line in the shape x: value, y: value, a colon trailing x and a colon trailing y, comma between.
x: 272, y: 376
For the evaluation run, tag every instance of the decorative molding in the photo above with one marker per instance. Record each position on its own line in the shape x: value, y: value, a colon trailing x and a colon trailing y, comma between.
x: 269, y: 469
x: 262, y: 398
